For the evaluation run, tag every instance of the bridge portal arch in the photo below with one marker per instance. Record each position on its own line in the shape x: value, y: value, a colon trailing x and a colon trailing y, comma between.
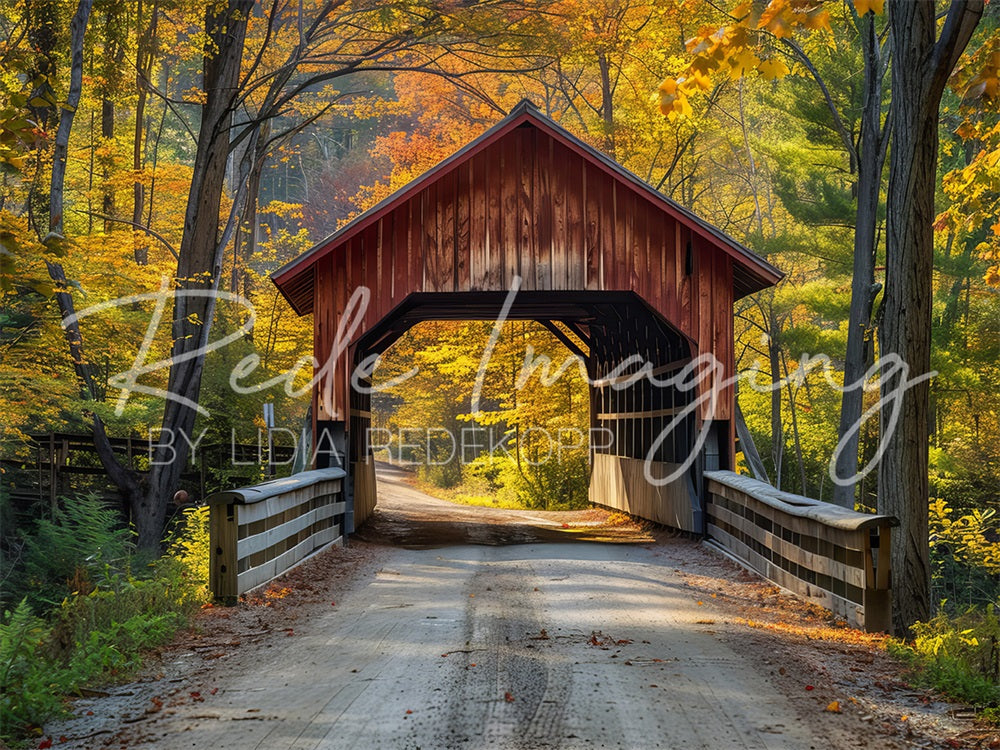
x: 530, y: 222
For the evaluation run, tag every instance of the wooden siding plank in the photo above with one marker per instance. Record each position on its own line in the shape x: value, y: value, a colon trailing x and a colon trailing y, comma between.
x: 511, y: 178
x: 463, y: 240
x: 479, y: 230
x: 493, y: 274
x: 446, y: 226
x: 526, y: 207
x: 542, y: 209
x: 429, y: 237
x: 575, y: 251
x: 592, y: 187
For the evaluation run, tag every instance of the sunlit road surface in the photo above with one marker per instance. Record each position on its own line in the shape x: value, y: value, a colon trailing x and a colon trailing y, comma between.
x: 527, y: 646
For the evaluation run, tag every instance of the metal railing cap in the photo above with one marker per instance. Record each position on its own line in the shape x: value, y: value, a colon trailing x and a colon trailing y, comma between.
x: 274, y: 487
x: 799, y: 505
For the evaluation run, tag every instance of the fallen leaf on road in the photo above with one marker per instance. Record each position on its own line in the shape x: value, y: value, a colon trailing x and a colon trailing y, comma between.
x: 833, y: 707
x: 508, y: 697
x: 45, y: 744
x: 409, y: 711
x: 810, y: 687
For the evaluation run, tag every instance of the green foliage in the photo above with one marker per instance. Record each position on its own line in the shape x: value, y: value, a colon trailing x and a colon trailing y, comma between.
x: 90, y: 610
x: 30, y: 690
x: 189, y: 547
x: 965, y: 560
x: 82, y: 542
x: 958, y: 655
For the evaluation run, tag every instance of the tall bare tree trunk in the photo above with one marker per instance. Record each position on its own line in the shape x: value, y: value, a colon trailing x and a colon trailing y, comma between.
x: 123, y: 477
x: 607, y: 103
x: 777, y: 430
x: 921, y: 65
x: 199, y: 266
x: 143, y: 70
x: 871, y: 158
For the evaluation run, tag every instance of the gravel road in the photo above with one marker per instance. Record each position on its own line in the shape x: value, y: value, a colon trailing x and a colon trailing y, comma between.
x: 536, y: 644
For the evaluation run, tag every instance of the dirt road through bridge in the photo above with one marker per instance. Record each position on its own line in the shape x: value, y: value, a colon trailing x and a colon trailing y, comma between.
x: 532, y: 645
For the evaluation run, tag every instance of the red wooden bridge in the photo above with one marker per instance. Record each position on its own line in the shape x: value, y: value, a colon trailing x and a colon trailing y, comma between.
x: 633, y: 283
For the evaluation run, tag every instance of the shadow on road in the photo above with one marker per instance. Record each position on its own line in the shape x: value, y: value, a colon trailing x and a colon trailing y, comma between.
x: 407, y: 517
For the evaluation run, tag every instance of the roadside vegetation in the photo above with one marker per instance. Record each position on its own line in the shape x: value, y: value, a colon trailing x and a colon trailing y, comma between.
x: 957, y: 652
x: 81, y: 607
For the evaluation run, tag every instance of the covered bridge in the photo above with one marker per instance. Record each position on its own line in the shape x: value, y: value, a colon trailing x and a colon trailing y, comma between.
x: 631, y: 281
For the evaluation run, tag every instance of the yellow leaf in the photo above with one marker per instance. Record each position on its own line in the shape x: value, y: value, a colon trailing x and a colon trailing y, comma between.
x: 741, y: 62
x: 700, y: 80
x: 772, y: 68
x: 833, y: 707
x: 668, y: 87
x: 817, y: 20
x: 863, y: 6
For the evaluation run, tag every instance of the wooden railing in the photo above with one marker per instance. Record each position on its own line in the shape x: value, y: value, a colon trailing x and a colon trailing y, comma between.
x: 257, y: 533
x: 832, y: 556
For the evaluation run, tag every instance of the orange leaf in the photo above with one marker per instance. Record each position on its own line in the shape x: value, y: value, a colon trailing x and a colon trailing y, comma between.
x: 833, y: 707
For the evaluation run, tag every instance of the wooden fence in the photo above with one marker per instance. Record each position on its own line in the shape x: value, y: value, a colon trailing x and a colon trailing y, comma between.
x: 57, y: 464
x: 259, y: 532
x: 832, y: 556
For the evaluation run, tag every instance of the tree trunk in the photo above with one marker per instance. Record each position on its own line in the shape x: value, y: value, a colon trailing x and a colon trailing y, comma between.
x: 123, y: 477
x: 143, y: 71
x: 871, y: 158
x: 199, y: 265
x: 607, y: 103
x: 246, y: 233
x: 748, y: 447
x: 777, y: 431
x: 78, y: 29
x: 920, y: 70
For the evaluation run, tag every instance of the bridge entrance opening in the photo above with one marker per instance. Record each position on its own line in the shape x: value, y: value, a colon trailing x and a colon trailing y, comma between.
x: 635, y: 411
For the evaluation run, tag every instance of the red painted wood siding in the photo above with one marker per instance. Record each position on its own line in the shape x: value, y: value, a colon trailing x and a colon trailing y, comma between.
x: 529, y: 205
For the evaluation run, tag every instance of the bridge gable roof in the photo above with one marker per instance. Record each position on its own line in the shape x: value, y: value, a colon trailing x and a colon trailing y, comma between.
x: 751, y: 272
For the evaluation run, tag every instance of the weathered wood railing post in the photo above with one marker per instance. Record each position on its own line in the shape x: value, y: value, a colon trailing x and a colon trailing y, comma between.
x: 259, y: 532
x: 832, y: 556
